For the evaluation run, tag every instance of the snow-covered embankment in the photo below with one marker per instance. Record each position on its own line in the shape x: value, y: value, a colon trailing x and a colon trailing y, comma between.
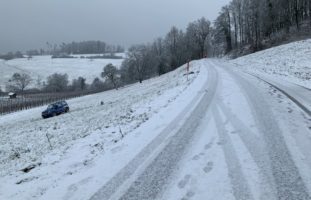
x: 290, y: 62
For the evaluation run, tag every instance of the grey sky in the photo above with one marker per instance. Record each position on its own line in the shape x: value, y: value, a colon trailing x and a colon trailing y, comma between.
x: 26, y: 24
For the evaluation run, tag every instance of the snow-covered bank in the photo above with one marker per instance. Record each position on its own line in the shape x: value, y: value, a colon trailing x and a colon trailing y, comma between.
x: 290, y: 62
x: 87, y: 143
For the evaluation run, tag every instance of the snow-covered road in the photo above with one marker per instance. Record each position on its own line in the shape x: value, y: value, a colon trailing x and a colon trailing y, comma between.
x: 242, y: 140
x: 265, y: 141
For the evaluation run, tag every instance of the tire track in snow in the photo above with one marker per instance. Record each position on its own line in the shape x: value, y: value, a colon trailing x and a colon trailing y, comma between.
x: 257, y: 149
x: 300, y: 139
x: 289, y: 183
x: 239, y: 183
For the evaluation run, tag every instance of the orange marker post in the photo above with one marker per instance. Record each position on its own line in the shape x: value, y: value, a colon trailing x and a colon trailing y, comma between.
x: 188, y: 69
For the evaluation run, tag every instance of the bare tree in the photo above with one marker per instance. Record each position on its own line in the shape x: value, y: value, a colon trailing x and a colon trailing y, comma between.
x: 175, y: 47
x: 20, y: 81
x: 223, y: 29
x: 199, y: 31
x: 111, y: 73
x: 136, y: 58
x: 159, y: 50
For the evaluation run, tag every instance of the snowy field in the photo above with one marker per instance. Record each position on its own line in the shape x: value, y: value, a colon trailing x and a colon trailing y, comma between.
x: 89, y: 138
x: 43, y: 66
x: 290, y: 62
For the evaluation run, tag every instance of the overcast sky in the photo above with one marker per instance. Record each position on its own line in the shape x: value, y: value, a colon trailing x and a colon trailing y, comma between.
x: 27, y: 24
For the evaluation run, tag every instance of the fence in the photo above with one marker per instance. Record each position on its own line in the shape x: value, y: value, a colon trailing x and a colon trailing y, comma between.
x: 28, y: 101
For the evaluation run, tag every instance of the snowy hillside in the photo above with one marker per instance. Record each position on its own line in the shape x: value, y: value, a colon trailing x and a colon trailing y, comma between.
x: 88, y: 133
x: 44, y: 66
x: 290, y: 62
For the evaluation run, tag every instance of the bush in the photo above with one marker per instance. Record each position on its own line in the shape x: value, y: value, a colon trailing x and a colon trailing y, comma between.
x: 97, y: 85
x: 57, y: 83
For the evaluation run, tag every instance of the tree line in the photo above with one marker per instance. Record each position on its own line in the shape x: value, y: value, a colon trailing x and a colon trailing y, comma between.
x: 87, y: 47
x: 11, y: 55
x: 242, y: 27
x: 166, y: 53
x: 23, y: 83
x: 84, y: 47
x: 252, y: 25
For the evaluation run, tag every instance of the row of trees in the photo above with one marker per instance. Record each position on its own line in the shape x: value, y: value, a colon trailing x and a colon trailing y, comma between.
x: 259, y: 23
x: 55, y: 83
x: 11, y: 55
x: 85, y: 47
x: 165, y: 54
x: 243, y: 26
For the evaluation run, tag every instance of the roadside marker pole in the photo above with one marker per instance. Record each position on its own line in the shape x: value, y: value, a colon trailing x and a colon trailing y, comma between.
x: 188, y: 66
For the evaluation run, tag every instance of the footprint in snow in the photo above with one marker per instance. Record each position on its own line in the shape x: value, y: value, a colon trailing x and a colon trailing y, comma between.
x: 221, y: 142
x: 184, y: 182
x: 188, y: 195
x: 208, y: 167
x: 208, y: 146
x: 196, y: 157
x: 71, y: 190
x: 117, y: 149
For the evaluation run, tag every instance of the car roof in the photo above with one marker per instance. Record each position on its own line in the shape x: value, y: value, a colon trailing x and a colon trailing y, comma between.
x: 59, y: 102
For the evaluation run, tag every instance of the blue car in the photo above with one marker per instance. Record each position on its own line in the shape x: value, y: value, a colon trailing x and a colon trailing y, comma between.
x: 55, y: 109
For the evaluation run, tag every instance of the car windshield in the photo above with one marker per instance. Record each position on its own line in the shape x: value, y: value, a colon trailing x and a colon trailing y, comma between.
x: 51, y: 106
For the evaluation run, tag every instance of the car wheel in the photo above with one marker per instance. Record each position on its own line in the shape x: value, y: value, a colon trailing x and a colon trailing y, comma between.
x: 67, y: 110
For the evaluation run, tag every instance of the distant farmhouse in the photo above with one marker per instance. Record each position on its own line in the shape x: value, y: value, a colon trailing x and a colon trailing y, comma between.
x: 12, y: 95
